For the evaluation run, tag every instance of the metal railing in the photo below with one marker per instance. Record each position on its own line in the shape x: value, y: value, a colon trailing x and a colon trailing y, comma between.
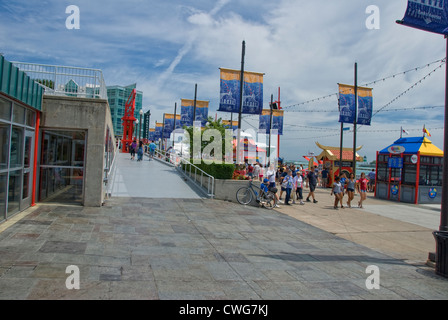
x: 67, y: 81
x: 109, y: 175
x: 196, y: 175
x: 199, y: 177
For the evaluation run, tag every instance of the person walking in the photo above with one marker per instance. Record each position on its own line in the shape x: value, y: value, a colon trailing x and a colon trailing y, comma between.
x: 362, y: 188
x: 324, y: 178
x: 351, y: 183
x: 152, y: 149
x: 371, y: 176
x: 140, y: 151
x: 299, y: 186
x: 311, y: 180
x: 132, y: 149
x: 343, y: 181
x: 256, y: 172
x: 288, y: 183
x: 336, y: 191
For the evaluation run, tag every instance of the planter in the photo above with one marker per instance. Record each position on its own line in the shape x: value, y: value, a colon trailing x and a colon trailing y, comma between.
x: 225, y: 189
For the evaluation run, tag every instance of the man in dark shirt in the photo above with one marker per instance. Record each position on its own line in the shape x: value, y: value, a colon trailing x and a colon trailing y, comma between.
x: 311, y: 179
x: 324, y: 178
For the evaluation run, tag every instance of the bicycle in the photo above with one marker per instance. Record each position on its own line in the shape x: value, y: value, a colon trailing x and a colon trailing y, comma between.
x: 245, y: 195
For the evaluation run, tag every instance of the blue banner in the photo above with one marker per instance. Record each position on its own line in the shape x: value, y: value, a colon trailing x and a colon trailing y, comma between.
x: 168, y: 124
x: 347, y: 105
x: 152, y: 134
x: 230, y: 92
x: 428, y: 15
x: 187, y: 110
x: 159, y: 131
x: 277, y: 121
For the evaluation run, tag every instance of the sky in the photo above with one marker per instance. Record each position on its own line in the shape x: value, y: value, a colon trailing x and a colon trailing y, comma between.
x: 305, y: 48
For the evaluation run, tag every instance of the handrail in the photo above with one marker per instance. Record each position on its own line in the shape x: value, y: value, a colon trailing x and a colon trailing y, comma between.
x: 110, y: 174
x: 179, y: 162
x: 188, y: 174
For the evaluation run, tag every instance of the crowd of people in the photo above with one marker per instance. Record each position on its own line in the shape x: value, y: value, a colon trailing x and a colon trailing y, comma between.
x: 291, y: 180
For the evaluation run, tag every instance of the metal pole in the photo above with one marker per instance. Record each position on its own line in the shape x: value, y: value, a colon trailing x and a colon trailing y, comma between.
x: 341, y: 148
x: 174, y: 129
x: 354, y: 122
x: 270, y: 126
x: 444, y: 210
x: 194, y: 106
x: 241, y: 101
x: 140, y: 128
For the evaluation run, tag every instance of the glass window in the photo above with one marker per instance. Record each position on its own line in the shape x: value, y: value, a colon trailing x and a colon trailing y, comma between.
x: 18, y: 114
x: 63, y: 148
x: 30, y: 118
x: 15, y: 184
x: 436, y: 176
x: 16, y: 147
x: 61, y: 185
x: 3, y: 193
x: 5, y: 110
x: 4, y: 145
x: 383, y: 172
x: 409, y: 174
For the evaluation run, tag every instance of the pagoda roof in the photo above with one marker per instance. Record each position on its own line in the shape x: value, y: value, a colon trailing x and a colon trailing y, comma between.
x: 333, y: 153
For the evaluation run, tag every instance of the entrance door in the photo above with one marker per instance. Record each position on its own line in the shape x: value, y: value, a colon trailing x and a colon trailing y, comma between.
x: 28, y: 161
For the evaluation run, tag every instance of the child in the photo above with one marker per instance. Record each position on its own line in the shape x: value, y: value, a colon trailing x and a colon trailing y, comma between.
x: 337, y: 190
x: 265, y: 187
x: 362, y: 188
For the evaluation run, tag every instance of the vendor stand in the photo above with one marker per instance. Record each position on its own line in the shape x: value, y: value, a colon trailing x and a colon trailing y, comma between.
x: 410, y: 170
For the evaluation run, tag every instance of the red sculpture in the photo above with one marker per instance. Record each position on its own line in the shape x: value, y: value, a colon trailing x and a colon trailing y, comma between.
x: 128, y: 122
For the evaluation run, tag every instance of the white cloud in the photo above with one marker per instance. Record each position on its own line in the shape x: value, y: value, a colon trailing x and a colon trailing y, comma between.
x: 305, y: 48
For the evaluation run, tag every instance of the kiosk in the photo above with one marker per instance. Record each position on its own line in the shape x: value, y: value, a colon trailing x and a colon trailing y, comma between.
x: 331, y: 156
x: 410, y: 170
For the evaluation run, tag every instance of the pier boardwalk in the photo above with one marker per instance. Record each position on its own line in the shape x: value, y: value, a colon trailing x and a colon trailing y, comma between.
x: 149, y: 179
x: 137, y: 247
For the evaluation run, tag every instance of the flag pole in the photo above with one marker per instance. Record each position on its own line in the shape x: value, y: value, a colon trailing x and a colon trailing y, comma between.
x: 241, y: 104
x: 341, y: 141
x: 444, y: 210
x: 354, y: 122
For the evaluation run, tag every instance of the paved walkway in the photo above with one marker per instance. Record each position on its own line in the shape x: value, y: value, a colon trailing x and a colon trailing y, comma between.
x: 158, y: 248
x: 148, y: 179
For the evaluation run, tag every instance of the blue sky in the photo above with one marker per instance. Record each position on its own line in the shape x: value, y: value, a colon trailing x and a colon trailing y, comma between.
x: 303, y: 47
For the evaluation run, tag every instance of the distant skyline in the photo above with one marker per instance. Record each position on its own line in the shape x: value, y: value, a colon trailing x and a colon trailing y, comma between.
x: 305, y: 48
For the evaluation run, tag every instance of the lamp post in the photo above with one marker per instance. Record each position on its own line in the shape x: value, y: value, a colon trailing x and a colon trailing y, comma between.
x: 140, y: 128
x: 136, y: 128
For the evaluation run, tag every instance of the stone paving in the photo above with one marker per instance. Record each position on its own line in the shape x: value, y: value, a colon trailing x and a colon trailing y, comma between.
x: 141, y: 248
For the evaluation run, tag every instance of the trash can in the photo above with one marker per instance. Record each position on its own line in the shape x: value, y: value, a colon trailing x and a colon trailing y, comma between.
x: 441, y: 252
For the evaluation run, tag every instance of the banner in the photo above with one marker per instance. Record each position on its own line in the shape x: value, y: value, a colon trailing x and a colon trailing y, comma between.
x: 168, y: 124
x: 277, y: 120
x: 187, y: 111
x: 230, y: 92
x: 158, y: 131
x: 428, y: 15
x: 152, y: 134
x: 226, y: 124
x: 347, y: 104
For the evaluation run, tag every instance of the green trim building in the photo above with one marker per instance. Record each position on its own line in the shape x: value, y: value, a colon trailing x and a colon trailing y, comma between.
x: 117, y: 96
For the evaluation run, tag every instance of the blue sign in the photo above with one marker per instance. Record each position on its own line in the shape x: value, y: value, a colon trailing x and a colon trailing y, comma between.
x: 394, y: 190
x: 428, y: 15
x: 432, y: 193
x: 396, y: 163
